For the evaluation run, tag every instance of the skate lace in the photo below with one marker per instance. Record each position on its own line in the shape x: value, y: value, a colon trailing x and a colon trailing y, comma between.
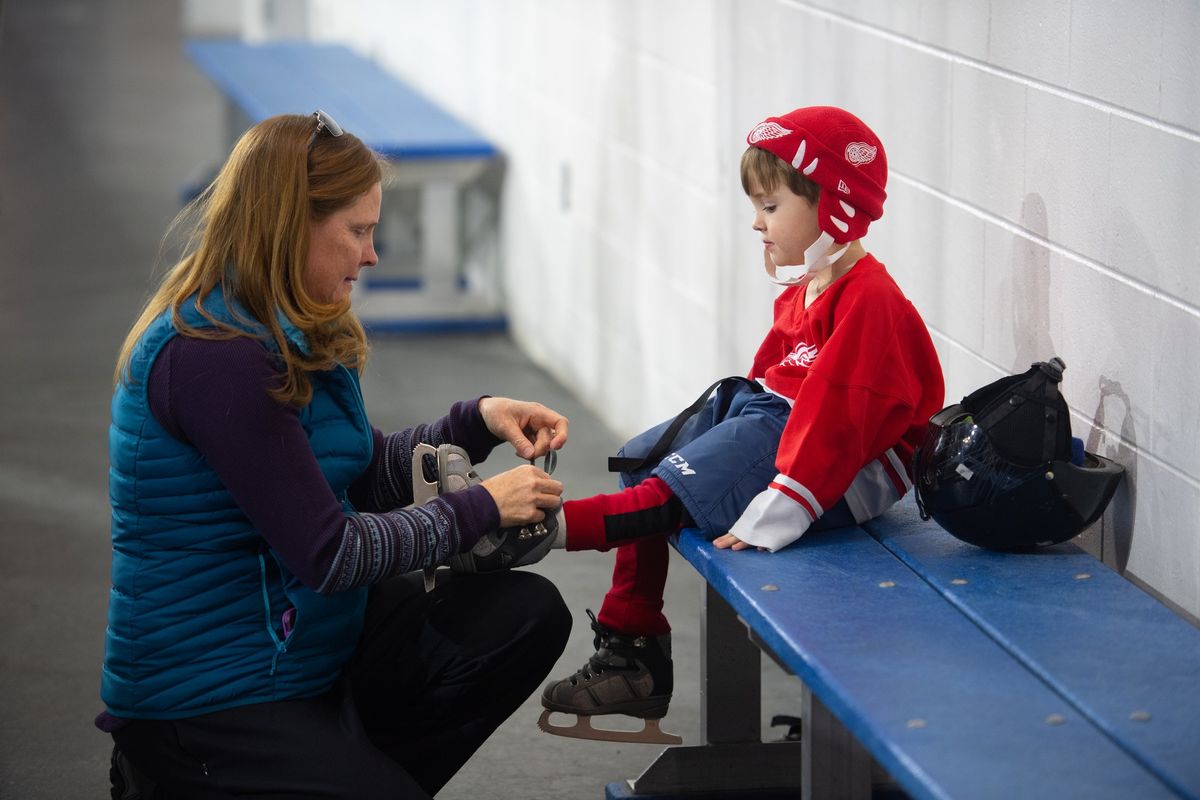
x: 548, y: 465
x: 600, y: 663
x: 539, y: 529
x: 603, y: 659
x: 590, y: 670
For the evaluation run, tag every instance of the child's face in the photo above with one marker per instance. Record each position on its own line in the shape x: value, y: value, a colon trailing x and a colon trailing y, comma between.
x: 786, y: 221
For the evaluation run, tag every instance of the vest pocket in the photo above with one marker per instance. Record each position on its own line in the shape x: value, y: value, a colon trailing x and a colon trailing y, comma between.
x: 286, y: 625
x: 288, y: 620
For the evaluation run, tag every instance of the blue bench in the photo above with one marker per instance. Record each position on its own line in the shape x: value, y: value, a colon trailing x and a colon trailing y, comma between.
x: 933, y: 669
x: 432, y: 157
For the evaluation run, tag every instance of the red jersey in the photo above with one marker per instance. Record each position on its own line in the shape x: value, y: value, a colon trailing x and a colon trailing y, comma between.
x: 863, y: 379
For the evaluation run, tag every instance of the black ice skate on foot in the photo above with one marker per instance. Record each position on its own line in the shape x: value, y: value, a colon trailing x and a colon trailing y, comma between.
x: 512, y: 547
x: 630, y: 675
x: 508, y: 548
x: 504, y: 549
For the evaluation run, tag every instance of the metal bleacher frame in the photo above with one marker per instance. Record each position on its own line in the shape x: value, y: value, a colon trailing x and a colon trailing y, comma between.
x: 441, y: 190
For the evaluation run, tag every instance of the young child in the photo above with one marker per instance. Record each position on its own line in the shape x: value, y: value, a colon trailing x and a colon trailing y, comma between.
x: 820, y: 436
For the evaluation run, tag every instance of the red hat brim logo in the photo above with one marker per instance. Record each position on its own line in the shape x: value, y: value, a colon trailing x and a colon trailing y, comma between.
x: 767, y: 130
x: 860, y: 153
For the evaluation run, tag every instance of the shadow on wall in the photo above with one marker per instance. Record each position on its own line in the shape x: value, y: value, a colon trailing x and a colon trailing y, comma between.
x: 1031, y: 289
x: 1115, y: 529
x: 1111, y: 538
x: 1113, y: 432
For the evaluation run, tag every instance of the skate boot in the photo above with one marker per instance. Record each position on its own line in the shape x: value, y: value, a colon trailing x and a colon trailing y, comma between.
x: 629, y: 675
x: 506, y: 548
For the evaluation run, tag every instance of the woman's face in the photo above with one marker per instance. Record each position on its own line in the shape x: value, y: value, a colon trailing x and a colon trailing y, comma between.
x: 340, y: 245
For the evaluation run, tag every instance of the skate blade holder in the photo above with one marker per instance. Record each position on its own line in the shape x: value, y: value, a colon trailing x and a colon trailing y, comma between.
x: 423, y: 490
x: 650, y: 733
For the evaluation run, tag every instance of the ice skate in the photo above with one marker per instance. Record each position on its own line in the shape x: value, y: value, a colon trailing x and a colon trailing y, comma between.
x: 630, y: 675
x: 508, y: 548
x: 449, y: 467
x: 503, y: 549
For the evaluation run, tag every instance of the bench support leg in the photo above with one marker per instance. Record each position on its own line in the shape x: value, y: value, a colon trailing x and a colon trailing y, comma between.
x: 732, y: 757
x: 751, y: 769
x: 730, y: 676
x: 440, y: 232
x: 827, y: 764
x: 835, y: 765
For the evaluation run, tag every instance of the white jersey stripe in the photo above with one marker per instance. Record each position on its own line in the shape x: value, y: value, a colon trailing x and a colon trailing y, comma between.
x: 872, y: 492
x: 898, y: 465
x: 800, y: 489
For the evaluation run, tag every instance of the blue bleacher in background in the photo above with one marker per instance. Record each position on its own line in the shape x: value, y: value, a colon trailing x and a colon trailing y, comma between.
x: 439, y: 254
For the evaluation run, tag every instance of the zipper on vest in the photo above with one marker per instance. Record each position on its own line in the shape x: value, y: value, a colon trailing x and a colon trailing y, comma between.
x: 280, y: 646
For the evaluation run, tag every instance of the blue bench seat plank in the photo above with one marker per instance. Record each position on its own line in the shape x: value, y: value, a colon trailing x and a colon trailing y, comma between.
x: 882, y: 658
x: 1111, y: 649
x: 297, y: 77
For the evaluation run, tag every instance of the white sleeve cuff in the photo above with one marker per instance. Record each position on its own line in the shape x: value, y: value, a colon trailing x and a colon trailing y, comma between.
x: 772, y: 520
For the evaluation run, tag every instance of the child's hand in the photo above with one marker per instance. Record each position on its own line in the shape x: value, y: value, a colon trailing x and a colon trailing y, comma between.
x: 729, y: 541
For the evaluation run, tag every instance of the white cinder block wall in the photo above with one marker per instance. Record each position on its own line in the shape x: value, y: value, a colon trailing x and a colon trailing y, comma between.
x: 1043, y: 197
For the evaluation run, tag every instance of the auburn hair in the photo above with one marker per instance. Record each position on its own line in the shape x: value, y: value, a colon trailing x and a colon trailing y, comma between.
x: 247, y: 236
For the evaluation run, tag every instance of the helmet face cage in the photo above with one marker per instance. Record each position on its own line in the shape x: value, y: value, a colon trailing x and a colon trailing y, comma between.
x: 985, y: 499
x: 961, y: 464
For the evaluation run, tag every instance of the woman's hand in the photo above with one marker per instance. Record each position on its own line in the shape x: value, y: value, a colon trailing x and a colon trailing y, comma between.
x: 532, y: 429
x: 524, y: 495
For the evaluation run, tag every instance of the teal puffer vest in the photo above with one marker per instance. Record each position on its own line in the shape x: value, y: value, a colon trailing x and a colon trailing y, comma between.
x: 195, y: 615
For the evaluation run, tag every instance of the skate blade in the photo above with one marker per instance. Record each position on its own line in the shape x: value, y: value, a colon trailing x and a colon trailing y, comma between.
x: 423, y: 490
x: 582, y: 729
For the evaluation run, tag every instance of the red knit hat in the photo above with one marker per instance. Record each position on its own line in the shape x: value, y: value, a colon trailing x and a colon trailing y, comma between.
x: 837, y: 151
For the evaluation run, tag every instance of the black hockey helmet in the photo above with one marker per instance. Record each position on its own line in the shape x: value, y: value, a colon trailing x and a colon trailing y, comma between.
x: 1000, y: 469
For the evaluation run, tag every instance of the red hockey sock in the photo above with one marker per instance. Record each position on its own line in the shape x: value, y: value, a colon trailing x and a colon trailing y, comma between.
x: 633, y: 606
x: 609, y: 520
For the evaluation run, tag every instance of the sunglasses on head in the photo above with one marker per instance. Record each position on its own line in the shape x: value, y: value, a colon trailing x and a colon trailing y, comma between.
x: 324, y: 123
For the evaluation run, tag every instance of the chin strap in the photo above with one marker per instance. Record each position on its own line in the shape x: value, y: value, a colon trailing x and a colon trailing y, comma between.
x: 819, y: 255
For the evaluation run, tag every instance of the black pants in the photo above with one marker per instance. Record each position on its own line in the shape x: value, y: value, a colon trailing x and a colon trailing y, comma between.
x: 432, y: 677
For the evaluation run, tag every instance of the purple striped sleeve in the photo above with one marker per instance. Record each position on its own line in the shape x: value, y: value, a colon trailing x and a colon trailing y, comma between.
x: 214, y: 395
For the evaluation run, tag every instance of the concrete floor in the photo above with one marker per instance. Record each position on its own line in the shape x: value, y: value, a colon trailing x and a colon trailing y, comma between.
x: 101, y: 121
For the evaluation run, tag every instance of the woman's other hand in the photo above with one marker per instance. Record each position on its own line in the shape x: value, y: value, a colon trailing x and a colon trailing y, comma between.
x: 532, y: 429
